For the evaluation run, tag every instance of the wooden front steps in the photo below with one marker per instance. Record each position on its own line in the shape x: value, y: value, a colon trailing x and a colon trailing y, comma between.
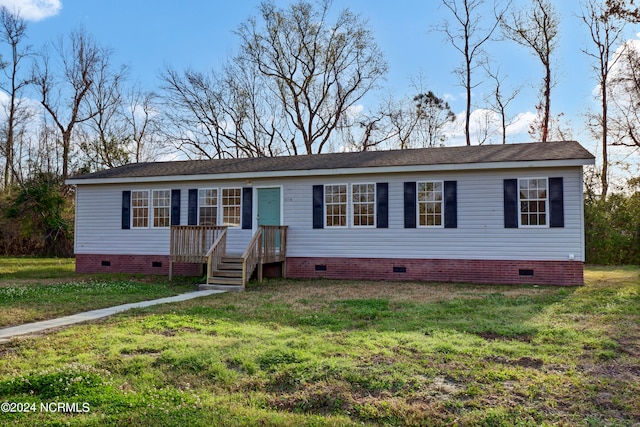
x: 226, y: 276
x: 224, y: 271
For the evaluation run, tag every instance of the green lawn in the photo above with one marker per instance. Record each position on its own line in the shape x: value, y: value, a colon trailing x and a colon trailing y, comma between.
x: 33, y: 289
x: 346, y: 353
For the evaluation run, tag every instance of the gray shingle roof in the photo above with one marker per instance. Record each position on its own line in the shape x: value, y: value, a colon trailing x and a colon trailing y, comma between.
x: 565, y: 150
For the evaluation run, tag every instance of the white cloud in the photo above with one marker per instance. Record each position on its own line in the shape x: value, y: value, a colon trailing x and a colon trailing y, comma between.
x: 33, y: 10
x: 449, y: 97
x: 521, y: 124
x: 354, y: 110
x: 485, y: 126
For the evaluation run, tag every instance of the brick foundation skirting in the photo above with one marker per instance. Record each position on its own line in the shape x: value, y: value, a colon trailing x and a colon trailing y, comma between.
x: 563, y: 273
x: 146, y: 264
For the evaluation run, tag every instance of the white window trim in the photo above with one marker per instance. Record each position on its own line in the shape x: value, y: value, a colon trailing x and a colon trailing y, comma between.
x: 221, y: 207
x: 418, y: 204
x: 546, y: 204
x: 324, y: 206
x: 153, y: 208
x: 218, y: 200
x: 351, y: 205
x: 149, y: 208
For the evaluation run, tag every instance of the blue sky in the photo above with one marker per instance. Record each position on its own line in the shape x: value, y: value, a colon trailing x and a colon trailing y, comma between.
x: 151, y: 34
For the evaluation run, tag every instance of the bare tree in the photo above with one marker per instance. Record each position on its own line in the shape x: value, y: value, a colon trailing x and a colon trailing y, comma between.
x: 106, y: 137
x: 226, y: 114
x: 499, y: 101
x: 537, y: 30
x: 606, y: 30
x: 366, y: 131
x: 13, y: 32
x: 64, y: 81
x: 403, y: 121
x: 625, y: 117
x: 192, y: 118
x: 141, y: 114
x: 315, y: 68
x: 468, y: 35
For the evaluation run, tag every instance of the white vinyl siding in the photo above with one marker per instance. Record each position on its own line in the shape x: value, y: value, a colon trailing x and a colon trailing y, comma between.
x: 480, y: 232
x: 99, y: 226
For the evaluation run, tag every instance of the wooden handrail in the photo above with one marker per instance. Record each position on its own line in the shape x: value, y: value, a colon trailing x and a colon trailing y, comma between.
x: 216, y: 252
x: 222, y: 235
x: 252, y: 257
x: 208, y: 244
x: 275, y: 243
x: 190, y: 243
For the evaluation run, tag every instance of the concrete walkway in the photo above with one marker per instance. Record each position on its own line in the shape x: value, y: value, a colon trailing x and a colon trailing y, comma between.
x: 29, y: 328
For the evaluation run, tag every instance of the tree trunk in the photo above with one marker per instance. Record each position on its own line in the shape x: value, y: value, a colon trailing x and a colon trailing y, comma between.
x: 604, y: 179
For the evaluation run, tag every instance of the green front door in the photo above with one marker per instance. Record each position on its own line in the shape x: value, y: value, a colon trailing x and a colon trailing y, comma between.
x: 268, y: 206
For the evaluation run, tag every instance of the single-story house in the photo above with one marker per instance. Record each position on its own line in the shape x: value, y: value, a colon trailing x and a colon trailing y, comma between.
x: 485, y: 214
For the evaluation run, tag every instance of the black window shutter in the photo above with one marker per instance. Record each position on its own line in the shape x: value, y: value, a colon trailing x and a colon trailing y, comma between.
x: 318, y: 206
x: 450, y: 204
x: 409, y: 205
x: 247, y: 208
x: 510, y: 203
x: 192, y: 213
x: 175, y: 207
x: 382, y: 205
x: 126, y: 210
x: 556, y: 202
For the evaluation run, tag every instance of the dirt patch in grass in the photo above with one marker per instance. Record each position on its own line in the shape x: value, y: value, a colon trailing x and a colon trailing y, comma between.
x: 525, y: 361
x: 303, y: 292
x: 493, y: 336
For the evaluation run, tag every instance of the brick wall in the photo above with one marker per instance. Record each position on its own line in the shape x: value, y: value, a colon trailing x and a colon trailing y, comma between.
x: 563, y: 273
x: 146, y: 264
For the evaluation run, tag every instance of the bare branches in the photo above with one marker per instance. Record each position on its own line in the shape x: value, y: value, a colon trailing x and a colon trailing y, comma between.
x: 606, y: 30
x: 468, y: 34
x: 13, y: 33
x: 537, y: 30
x: 317, y: 70
x: 500, y: 100
x: 82, y: 64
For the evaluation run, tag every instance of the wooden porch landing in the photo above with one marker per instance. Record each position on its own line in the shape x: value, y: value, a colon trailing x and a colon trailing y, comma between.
x: 207, y: 244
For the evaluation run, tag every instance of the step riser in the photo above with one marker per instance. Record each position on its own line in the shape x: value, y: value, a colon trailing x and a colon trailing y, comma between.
x: 229, y: 266
x: 229, y: 288
x: 232, y: 260
x: 227, y: 273
x: 225, y: 281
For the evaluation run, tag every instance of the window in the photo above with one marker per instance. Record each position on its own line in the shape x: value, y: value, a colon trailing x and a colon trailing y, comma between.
x: 207, y: 206
x: 161, y: 208
x: 430, y: 204
x: 532, y: 193
x: 335, y: 201
x: 140, y: 209
x: 364, y: 204
x: 231, y: 204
